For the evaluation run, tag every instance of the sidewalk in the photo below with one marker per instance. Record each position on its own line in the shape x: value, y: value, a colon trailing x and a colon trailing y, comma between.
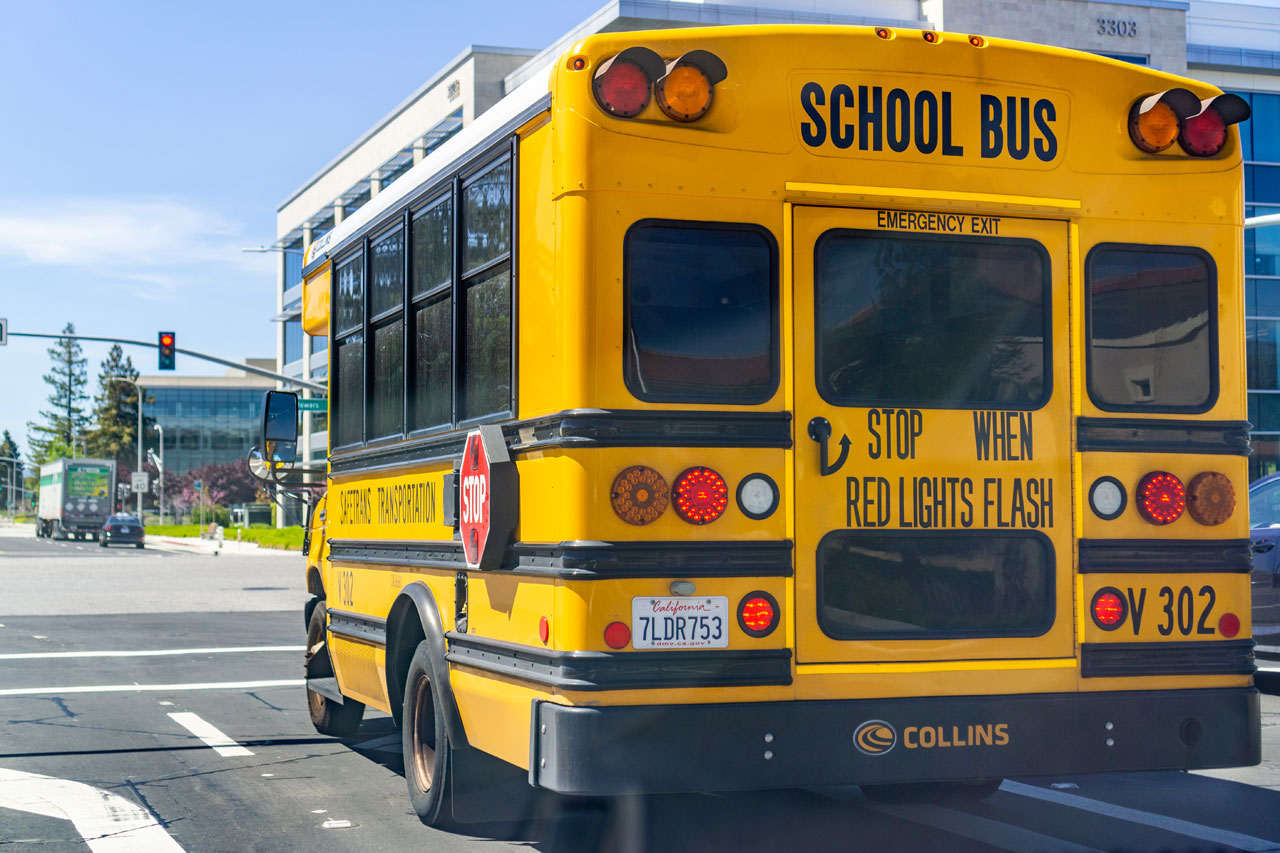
x: 230, y: 547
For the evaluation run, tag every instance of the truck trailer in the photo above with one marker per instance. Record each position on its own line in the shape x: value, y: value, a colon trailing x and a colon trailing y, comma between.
x: 76, y: 497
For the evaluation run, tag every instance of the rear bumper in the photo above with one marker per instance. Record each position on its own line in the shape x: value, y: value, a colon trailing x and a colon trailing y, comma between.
x: 753, y: 745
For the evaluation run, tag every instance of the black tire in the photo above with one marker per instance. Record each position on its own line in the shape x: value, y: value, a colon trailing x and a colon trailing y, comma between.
x: 428, y: 755
x: 138, y: 545
x: 971, y: 791
x: 102, y: 543
x: 336, y: 719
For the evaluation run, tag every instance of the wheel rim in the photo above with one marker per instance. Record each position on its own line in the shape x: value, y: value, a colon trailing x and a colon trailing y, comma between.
x: 424, y: 721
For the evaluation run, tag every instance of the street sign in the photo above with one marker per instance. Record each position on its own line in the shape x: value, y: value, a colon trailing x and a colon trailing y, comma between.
x: 315, y: 404
x: 140, y: 483
x: 487, y: 497
x: 198, y: 485
x: 4, y: 331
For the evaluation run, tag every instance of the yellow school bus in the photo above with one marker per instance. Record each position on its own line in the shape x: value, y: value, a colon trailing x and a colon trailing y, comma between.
x: 755, y: 407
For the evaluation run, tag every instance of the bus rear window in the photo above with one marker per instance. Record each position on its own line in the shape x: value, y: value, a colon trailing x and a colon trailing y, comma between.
x: 934, y: 321
x: 702, y: 312
x: 908, y: 585
x: 1153, y: 343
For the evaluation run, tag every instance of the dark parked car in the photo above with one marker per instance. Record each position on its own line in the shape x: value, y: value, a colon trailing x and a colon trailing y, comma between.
x: 1264, y: 515
x: 122, y: 529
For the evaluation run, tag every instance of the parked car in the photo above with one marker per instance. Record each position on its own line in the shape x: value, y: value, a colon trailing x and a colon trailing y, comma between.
x: 122, y: 529
x: 1264, y: 515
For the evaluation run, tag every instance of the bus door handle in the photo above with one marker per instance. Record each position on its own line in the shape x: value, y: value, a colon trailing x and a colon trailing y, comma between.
x: 820, y: 431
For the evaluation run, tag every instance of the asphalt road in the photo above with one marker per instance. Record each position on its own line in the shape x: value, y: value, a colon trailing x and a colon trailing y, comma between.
x: 216, y: 642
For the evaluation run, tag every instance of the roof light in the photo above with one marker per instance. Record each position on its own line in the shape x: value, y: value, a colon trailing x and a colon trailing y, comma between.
x: 623, y: 84
x: 685, y: 91
x: 1109, y: 608
x: 1205, y: 133
x: 1161, y: 497
x: 1156, y: 120
x: 701, y: 495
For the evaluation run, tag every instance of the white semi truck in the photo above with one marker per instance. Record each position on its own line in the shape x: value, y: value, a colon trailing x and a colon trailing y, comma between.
x: 76, y: 496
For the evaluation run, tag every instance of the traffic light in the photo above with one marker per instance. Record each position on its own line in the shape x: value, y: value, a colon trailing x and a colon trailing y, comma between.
x: 166, y: 350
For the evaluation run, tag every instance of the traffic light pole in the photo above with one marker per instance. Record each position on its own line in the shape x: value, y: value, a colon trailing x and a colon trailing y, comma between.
x: 291, y: 380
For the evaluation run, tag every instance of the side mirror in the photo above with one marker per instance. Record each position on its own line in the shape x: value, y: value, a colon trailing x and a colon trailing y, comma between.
x: 280, y: 425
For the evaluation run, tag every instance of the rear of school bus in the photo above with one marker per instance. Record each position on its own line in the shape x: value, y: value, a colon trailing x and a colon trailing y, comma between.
x: 926, y: 458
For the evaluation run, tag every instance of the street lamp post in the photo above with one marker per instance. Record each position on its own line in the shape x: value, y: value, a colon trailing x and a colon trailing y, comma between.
x: 160, y: 429
x: 138, y: 435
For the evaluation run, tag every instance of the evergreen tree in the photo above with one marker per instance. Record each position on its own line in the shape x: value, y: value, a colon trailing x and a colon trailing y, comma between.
x: 10, y: 473
x: 115, y: 410
x: 67, y: 419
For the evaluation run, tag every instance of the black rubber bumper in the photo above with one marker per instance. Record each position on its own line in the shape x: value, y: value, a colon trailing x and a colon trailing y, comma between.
x: 753, y: 745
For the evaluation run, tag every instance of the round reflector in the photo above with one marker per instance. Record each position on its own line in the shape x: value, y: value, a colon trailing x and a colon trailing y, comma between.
x: 617, y: 635
x: 1153, y: 130
x: 1205, y: 134
x: 1109, y: 608
x: 639, y: 495
x: 1211, y: 499
x: 622, y: 88
x: 758, y: 614
x: 1161, y: 497
x: 544, y: 629
x: 701, y: 495
x: 1229, y: 625
x: 684, y: 94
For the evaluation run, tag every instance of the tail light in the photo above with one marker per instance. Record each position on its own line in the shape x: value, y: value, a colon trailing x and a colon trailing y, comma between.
x: 1211, y: 499
x: 1156, y: 121
x: 1109, y: 608
x: 701, y: 495
x: 758, y: 614
x: 623, y: 84
x: 1161, y: 497
x: 1204, y: 134
x: 617, y: 635
x: 639, y: 495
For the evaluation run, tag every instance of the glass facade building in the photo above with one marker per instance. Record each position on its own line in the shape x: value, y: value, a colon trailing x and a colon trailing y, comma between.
x: 204, y: 425
x: 1260, y: 139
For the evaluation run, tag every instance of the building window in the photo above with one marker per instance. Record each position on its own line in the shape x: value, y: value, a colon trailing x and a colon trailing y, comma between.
x: 292, y: 264
x: 292, y: 341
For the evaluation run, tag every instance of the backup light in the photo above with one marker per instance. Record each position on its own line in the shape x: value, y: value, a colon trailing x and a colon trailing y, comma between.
x: 1107, y: 498
x: 1161, y: 498
x: 757, y: 496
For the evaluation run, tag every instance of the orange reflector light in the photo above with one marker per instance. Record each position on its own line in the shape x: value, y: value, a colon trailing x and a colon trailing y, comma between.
x: 684, y: 94
x: 1109, y: 608
x: 1161, y: 497
x: 977, y: 41
x: 578, y: 63
x: 1229, y: 625
x: 931, y: 37
x: 639, y: 495
x: 884, y: 32
x: 758, y: 614
x: 617, y: 635
x: 1211, y: 499
x: 701, y: 495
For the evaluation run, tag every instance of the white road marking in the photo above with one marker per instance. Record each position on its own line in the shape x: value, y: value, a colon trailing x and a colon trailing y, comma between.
x: 143, y: 653
x: 1213, y: 835
x: 108, y: 823
x: 209, y: 733
x: 1003, y: 835
x: 140, y: 688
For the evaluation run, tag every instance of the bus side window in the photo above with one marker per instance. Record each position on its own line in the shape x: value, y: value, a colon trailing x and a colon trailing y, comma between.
x: 348, y: 354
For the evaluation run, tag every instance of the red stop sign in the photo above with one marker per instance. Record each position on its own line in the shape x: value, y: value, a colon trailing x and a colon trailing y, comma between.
x: 475, y: 498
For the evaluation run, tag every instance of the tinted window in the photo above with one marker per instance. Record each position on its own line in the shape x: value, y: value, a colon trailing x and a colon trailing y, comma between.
x: 943, y: 321
x: 350, y: 294
x: 433, y: 344
x: 433, y: 248
x: 881, y: 585
x: 386, y: 287
x: 702, y: 313
x: 486, y: 216
x: 486, y: 363
x: 1152, y: 341
x: 386, y: 380
x: 349, y: 412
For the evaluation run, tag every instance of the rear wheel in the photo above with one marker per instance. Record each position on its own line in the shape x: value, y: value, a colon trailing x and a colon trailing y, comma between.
x: 971, y: 791
x: 336, y: 719
x: 137, y: 545
x: 428, y: 755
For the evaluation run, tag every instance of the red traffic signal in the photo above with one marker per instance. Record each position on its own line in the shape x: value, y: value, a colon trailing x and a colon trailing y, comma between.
x: 167, y: 350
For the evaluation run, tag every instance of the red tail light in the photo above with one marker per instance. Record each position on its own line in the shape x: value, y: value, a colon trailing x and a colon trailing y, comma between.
x: 758, y: 614
x: 624, y: 84
x: 1109, y: 608
x: 1204, y: 134
x: 701, y: 495
x: 1161, y: 497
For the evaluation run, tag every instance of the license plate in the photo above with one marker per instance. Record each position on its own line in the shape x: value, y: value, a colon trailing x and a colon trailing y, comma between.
x: 124, y: 530
x: 680, y: 623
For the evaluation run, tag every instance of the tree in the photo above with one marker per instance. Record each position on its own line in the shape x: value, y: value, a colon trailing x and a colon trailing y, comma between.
x: 115, y: 410
x: 10, y: 473
x: 67, y: 419
x: 223, y: 483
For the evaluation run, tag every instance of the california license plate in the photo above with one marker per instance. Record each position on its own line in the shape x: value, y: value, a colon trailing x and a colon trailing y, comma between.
x: 124, y: 530
x: 680, y: 623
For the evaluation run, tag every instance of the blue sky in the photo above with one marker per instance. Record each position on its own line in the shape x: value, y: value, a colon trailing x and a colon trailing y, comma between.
x: 142, y: 144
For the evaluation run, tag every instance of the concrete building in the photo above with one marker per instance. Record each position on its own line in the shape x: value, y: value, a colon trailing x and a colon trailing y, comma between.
x: 1232, y: 45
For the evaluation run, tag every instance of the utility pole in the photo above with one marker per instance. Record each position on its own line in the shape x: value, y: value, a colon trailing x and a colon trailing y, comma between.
x: 139, y: 469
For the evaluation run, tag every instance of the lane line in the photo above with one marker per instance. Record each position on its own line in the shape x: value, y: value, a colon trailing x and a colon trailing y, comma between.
x: 140, y: 688
x: 209, y: 733
x: 1213, y: 835
x: 107, y: 822
x: 142, y: 653
x: 1003, y: 835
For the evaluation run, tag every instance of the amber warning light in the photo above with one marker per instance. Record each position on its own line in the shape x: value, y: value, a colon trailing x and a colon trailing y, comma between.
x: 684, y: 87
x: 1177, y: 115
